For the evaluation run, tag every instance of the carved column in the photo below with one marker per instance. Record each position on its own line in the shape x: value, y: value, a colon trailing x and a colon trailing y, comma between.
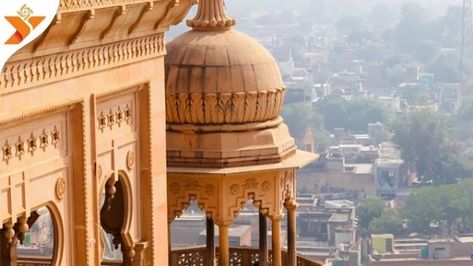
x: 276, y: 240
x: 210, y: 242
x: 128, y: 255
x: 8, y: 243
x: 263, y: 241
x: 291, y: 233
x: 224, y: 246
x: 21, y: 227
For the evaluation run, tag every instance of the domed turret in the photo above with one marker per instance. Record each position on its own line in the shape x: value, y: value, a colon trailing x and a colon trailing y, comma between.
x: 224, y: 94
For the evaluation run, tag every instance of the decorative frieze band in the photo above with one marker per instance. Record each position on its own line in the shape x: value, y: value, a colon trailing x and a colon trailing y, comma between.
x: 76, y: 5
x: 219, y: 108
x: 41, y: 70
x: 17, y: 147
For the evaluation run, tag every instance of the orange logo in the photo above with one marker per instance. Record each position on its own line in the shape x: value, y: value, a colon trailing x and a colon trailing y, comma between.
x: 24, y: 23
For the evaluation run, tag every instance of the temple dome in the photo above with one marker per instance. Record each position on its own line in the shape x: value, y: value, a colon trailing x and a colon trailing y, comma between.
x: 224, y: 94
x: 221, y: 77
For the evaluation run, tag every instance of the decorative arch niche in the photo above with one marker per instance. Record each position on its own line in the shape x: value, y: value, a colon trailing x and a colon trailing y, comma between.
x: 116, y: 209
x: 44, y: 239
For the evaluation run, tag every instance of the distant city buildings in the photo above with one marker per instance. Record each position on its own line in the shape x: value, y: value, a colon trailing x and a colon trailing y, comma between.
x: 386, y: 250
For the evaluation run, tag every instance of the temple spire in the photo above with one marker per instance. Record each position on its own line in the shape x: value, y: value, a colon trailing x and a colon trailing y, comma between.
x: 211, y: 17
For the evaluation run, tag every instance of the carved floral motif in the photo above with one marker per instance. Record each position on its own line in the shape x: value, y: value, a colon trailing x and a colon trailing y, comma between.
x: 60, y: 188
x: 32, y: 144
x: 209, y: 189
x: 22, y: 145
x: 130, y: 160
x: 7, y: 151
x: 250, y: 183
x: 266, y: 186
x: 219, y: 108
x: 114, y: 117
x: 234, y: 189
x: 20, y: 148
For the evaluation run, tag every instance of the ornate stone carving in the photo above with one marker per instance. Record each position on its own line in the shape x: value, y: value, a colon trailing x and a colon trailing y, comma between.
x: 192, y: 185
x: 211, y: 16
x: 76, y: 5
x: 60, y: 188
x: 40, y: 70
x: 119, y: 116
x: 102, y: 120
x: 266, y: 186
x: 43, y: 140
x: 234, y: 189
x: 209, y: 189
x: 250, y: 183
x: 9, y: 232
x: 20, y: 148
x: 116, y: 115
x: 7, y: 152
x: 223, y: 108
x: 17, y: 146
x: 32, y: 144
x: 127, y: 113
x: 111, y: 118
x: 287, y: 186
x: 55, y: 137
x: 22, y: 228
x: 130, y: 160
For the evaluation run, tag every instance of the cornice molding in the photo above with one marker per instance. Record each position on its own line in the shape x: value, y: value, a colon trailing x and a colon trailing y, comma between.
x: 52, y: 68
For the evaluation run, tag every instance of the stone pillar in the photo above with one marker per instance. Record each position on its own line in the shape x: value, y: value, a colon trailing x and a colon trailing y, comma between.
x: 263, y: 241
x: 210, y: 235
x: 8, y: 243
x: 276, y: 237
x: 224, y: 246
x: 291, y: 234
x: 128, y: 255
x: 169, y: 241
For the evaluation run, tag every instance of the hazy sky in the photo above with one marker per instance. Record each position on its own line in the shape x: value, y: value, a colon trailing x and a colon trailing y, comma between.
x: 245, y: 8
x: 344, y: 6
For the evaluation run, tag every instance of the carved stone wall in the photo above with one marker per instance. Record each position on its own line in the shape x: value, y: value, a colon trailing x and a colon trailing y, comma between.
x: 117, y: 155
x: 221, y: 197
x: 90, y: 36
x: 36, y: 154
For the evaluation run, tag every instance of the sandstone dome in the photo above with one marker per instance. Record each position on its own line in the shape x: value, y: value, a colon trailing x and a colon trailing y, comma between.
x: 221, y: 77
x: 224, y: 94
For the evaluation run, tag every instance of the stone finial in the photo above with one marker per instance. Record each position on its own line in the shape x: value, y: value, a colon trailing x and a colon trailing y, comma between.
x: 211, y: 17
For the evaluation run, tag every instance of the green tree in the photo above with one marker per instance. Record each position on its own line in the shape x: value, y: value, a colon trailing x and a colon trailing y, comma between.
x: 446, y: 68
x: 420, y: 211
x: 448, y: 205
x: 421, y: 137
x: 301, y: 117
x: 388, y: 223
x: 368, y: 210
x: 411, y: 27
x: 353, y: 114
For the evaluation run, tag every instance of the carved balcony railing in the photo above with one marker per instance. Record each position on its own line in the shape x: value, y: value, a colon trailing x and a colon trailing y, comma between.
x: 239, y: 256
x: 41, y: 261
x: 34, y: 261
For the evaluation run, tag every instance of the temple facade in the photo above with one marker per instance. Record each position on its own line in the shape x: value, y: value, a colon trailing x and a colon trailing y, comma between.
x: 105, y: 140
